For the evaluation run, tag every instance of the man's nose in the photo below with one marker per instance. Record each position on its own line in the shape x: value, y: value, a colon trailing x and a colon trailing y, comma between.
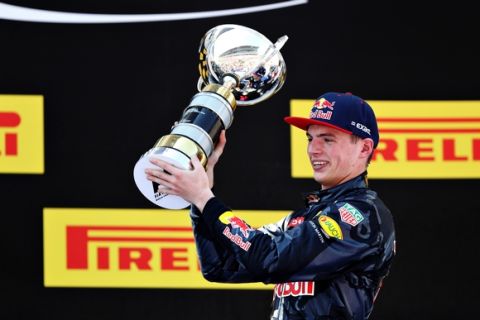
x: 315, y: 147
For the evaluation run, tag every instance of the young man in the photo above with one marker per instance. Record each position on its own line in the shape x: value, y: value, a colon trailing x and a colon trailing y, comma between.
x: 328, y: 259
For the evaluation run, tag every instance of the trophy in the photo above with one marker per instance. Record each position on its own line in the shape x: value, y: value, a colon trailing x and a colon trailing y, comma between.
x: 238, y: 67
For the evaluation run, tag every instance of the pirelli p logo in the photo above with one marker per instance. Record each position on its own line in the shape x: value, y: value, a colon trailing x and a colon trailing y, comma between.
x: 21, y: 134
x: 418, y: 140
x: 140, y: 248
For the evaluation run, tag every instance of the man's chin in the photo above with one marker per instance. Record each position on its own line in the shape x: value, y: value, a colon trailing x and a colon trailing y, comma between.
x: 318, y: 177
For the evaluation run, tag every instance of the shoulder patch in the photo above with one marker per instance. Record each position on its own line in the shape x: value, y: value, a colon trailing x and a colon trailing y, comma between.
x: 350, y: 215
x: 229, y: 218
x: 330, y: 227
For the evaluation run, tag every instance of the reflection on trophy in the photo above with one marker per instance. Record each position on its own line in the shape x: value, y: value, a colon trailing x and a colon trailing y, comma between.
x: 238, y: 67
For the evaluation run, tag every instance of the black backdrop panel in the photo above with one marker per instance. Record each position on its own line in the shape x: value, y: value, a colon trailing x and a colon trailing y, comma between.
x: 111, y: 90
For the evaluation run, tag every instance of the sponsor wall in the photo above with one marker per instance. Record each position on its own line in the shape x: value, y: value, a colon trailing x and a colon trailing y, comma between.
x: 86, y: 88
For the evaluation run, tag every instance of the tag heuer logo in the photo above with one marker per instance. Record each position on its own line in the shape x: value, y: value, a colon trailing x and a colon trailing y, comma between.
x: 349, y: 214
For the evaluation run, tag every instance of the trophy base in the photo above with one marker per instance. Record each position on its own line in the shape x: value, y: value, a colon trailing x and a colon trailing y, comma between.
x: 149, y: 188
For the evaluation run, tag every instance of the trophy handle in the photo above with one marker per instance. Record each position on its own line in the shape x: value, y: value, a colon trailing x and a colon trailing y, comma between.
x: 200, y: 84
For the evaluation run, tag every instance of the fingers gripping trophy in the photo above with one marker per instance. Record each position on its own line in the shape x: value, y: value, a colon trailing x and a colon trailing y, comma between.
x: 238, y: 67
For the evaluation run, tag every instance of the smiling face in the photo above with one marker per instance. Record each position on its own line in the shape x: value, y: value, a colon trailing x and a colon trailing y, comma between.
x: 336, y: 157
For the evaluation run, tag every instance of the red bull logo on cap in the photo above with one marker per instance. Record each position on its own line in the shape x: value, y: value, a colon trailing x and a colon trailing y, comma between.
x: 323, y: 103
x: 322, y: 109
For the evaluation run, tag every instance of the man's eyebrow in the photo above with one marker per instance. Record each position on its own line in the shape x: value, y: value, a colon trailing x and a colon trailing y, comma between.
x: 321, y: 135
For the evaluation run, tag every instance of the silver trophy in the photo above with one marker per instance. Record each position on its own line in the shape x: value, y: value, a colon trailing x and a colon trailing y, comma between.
x: 238, y: 67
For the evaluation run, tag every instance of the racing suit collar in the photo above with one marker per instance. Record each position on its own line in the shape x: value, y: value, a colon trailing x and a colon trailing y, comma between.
x: 322, y: 195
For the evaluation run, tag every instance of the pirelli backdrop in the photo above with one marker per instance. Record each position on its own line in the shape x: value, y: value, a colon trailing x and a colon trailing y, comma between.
x: 87, y: 87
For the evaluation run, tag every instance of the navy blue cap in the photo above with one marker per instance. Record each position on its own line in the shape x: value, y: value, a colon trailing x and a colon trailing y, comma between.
x: 342, y: 111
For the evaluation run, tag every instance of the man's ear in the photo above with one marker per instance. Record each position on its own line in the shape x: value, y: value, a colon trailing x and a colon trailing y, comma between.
x: 367, y: 148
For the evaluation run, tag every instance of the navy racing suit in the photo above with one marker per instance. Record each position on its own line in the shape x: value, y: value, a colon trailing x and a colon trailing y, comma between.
x: 327, y: 260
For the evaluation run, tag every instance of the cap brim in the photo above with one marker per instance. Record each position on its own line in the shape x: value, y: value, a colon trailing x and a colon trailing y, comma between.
x: 304, y: 123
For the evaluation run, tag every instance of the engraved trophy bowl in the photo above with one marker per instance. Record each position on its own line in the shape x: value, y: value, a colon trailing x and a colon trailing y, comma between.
x: 238, y: 67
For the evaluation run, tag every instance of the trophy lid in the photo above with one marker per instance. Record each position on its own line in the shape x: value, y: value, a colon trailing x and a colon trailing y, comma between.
x: 243, y: 59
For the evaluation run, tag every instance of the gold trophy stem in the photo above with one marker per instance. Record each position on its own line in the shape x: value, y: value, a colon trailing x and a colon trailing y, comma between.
x: 223, y: 91
x: 183, y: 144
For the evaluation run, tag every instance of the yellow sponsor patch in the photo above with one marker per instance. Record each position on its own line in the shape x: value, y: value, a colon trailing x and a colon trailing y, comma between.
x: 330, y: 227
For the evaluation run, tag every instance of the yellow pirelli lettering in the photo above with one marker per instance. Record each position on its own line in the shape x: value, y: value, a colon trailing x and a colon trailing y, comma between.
x: 21, y: 134
x: 142, y: 248
x: 418, y: 140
